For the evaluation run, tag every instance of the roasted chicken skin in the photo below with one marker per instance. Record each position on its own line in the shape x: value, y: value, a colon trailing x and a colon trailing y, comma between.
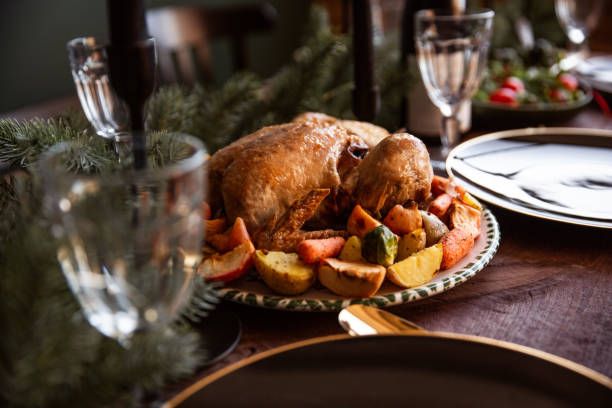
x: 260, y: 176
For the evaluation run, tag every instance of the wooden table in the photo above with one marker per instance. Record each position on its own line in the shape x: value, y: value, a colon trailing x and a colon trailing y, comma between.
x: 548, y: 287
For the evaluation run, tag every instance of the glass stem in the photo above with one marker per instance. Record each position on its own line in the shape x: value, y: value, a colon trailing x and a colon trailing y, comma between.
x: 450, y: 134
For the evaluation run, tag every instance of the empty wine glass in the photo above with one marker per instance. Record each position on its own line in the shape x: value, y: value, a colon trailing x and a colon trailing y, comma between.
x: 578, y: 19
x: 106, y: 112
x: 130, y: 240
x: 451, y: 53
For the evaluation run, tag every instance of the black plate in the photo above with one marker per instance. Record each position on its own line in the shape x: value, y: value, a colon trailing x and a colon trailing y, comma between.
x: 220, y: 333
x: 424, y: 370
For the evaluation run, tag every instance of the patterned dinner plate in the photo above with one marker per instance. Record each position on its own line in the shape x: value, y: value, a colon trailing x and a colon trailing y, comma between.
x: 250, y: 290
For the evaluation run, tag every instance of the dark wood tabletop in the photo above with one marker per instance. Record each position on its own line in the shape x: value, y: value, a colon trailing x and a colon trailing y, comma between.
x: 548, y: 287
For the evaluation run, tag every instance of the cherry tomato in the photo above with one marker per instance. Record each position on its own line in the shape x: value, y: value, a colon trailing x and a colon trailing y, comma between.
x: 504, y: 95
x: 568, y: 81
x: 559, y: 95
x: 513, y: 83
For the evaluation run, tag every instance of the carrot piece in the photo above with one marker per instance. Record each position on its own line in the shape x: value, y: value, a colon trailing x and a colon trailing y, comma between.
x: 213, y: 227
x: 440, y: 205
x: 439, y: 184
x: 455, y: 245
x: 206, y: 211
x: 402, y: 220
x: 314, y: 250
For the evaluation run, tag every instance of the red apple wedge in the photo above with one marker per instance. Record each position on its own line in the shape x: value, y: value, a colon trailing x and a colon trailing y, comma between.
x: 230, y: 265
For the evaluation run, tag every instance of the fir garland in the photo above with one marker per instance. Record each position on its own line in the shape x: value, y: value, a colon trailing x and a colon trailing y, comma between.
x: 50, y: 355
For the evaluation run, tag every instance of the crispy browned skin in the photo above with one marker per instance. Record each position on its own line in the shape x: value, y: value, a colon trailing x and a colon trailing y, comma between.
x: 370, y: 134
x: 286, y: 233
x: 397, y: 170
x: 265, y: 173
x: 260, y: 176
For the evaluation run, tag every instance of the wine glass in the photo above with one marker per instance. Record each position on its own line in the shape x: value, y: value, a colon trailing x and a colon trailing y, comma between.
x: 130, y: 240
x: 106, y: 112
x: 451, y: 53
x: 578, y: 19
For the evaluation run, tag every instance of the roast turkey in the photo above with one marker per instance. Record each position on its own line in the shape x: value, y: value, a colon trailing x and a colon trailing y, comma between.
x: 315, y: 170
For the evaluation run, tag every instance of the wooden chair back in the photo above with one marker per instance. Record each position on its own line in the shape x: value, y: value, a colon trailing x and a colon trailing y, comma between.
x: 184, y: 33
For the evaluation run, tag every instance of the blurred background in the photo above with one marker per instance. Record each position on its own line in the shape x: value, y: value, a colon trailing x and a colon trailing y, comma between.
x: 33, y: 36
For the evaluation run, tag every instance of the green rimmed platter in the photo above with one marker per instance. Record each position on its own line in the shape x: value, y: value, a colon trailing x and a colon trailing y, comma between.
x: 251, y: 291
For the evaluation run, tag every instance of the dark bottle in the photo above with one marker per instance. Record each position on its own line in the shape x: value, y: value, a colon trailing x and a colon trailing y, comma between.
x: 420, y: 116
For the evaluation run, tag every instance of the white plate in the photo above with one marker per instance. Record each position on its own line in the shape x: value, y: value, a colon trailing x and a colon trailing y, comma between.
x: 560, y: 174
x: 597, y: 71
x: 252, y: 291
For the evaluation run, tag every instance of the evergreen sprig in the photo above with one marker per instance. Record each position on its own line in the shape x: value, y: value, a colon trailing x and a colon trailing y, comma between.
x: 49, y: 354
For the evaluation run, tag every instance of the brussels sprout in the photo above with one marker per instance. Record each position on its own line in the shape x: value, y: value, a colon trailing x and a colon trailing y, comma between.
x: 380, y: 246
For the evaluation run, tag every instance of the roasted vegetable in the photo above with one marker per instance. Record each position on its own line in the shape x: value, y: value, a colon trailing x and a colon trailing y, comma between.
x: 351, y: 278
x: 471, y: 201
x: 314, y: 250
x: 411, y: 243
x: 380, y: 246
x: 360, y: 222
x: 284, y: 273
x: 351, y: 251
x: 455, y: 245
x: 464, y: 216
x: 434, y: 228
x: 417, y: 269
x: 403, y: 220
x: 439, y: 207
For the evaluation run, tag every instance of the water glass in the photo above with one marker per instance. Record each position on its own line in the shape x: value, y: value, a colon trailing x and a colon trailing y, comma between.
x: 578, y: 19
x: 130, y: 240
x: 106, y: 112
x: 452, y: 54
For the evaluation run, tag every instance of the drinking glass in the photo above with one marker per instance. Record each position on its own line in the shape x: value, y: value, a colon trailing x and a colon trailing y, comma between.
x: 106, y: 112
x: 129, y: 240
x: 578, y: 19
x: 451, y: 53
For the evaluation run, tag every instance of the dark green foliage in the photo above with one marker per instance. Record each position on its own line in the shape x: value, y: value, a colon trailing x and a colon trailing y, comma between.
x: 50, y: 355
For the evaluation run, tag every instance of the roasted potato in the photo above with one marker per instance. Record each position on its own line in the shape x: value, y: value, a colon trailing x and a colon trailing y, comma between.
x: 417, y: 269
x: 434, y: 228
x: 351, y: 278
x: 284, y: 273
x: 411, y: 243
x: 351, y: 251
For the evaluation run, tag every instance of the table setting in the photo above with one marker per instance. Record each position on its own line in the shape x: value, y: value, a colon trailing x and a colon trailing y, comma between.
x: 410, y: 204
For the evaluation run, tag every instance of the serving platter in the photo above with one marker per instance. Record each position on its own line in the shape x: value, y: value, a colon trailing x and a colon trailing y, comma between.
x: 559, y: 174
x: 419, y: 369
x: 252, y: 291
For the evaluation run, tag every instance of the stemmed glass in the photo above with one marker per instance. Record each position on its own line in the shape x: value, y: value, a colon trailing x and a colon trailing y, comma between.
x: 130, y: 240
x: 452, y: 54
x: 577, y: 18
x: 106, y: 112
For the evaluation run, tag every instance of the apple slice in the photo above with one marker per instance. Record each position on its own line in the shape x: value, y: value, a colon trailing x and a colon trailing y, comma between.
x: 230, y: 265
x: 351, y: 278
x: 230, y: 239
